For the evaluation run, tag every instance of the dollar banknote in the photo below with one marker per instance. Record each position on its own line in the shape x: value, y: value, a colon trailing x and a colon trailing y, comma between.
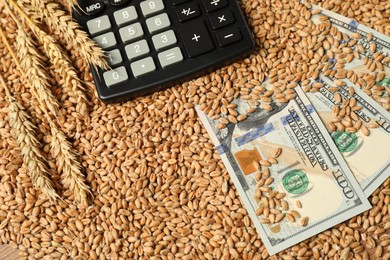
x: 370, y: 45
x: 367, y: 154
x: 288, y: 172
x: 366, y: 151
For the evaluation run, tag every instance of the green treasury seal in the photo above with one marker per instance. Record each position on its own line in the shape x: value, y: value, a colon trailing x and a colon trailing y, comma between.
x: 345, y: 142
x: 295, y: 182
x: 384, y: 83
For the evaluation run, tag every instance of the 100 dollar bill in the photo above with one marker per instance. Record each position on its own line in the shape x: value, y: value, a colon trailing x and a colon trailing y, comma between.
x: 308, y: 188
x: 370, y: 45
x: 366, y: 154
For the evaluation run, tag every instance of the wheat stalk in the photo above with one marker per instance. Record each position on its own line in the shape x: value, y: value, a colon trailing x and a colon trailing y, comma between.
x: 59, y: 22
x: 68, y: 164
x: 29, y: 145
x: 61, y: 63
x: 62, y: 150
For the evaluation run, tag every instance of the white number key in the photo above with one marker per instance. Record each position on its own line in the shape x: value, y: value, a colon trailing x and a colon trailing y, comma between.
x: 164, y: 39
x: 125, y: 15
x: 115, y: 76
x: 114, y: 57
x: 150, y: 7
x: 131, y: 32
x: 136, y: 49
x: 158, y: 22
x: 106, y: 40
x: 99, y: 24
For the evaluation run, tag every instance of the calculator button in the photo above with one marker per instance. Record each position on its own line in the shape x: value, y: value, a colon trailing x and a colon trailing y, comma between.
x: 150, y: 7
x: 228, y: 36
x: 125, y: 15
x: 178, y: 2
x: 212, y: 5
x: 221, y: 19
x: 93, y: 9
x: 164, y: 39
x: 118, y: 2
x: 131, y: 32
x: 99, y: 24
x: 196, y: 39
x: 114, y: 57
x: 170, y: 56
x: 158, y: 22
x: 143, y: 66
x: 115, y: 76
x: 187, y: 12
x: 106, y: 40
x: 137, y: 49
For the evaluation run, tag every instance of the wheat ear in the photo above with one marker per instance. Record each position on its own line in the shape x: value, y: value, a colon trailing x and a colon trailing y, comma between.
x: 66, y: 71
x: 69, y: 166
x: 30, y: 61
x: 29, y: 145
x: 72, y: 4
x: 61, y: 63
x: 62, y: 23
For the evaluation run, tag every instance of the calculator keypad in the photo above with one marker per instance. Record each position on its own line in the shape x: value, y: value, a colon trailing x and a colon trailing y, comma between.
x: 151, y: 37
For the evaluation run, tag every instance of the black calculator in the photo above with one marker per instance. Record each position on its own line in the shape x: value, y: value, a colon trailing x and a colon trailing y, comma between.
x: 152, y: 44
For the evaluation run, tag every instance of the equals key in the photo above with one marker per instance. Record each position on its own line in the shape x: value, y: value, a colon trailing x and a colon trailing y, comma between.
x: 170, y: 56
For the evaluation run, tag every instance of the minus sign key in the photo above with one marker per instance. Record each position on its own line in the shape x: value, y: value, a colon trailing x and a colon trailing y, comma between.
x: 228, y: 36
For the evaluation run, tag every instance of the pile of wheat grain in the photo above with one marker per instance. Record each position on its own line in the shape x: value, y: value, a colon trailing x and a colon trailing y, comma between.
x: 159, y: 188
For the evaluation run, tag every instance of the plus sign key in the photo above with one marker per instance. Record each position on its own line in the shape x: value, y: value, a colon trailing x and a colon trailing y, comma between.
x: 196, y: 39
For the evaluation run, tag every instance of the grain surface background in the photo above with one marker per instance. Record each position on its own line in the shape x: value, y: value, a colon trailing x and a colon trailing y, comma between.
x: 159, y: 188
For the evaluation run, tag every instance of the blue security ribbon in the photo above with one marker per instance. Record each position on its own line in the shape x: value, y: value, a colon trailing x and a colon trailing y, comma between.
x: 254, y: 134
